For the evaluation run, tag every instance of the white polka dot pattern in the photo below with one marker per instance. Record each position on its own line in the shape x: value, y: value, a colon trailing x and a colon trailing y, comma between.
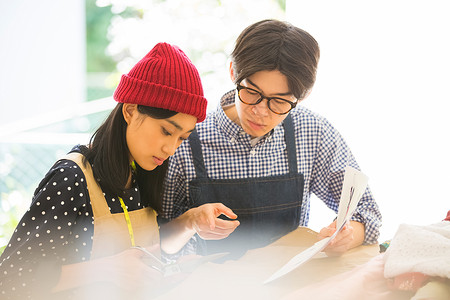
x: 56, y: 230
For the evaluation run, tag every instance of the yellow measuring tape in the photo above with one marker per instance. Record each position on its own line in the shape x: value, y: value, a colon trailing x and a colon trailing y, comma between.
x: 127, y: 216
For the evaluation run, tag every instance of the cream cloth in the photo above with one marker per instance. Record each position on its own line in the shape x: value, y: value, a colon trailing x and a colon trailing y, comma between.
x: 424, y: 249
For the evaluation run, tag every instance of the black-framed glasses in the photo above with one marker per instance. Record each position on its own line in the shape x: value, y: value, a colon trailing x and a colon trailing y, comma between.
x: 276, y: 105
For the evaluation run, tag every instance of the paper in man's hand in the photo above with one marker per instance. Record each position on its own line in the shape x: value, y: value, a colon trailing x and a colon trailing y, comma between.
x: 353, y: 187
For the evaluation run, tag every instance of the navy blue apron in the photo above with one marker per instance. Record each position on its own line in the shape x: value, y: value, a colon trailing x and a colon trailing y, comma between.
x: 267, y: 207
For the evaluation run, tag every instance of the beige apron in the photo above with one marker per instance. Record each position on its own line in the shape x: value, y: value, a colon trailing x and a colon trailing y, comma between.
x: 111, y: 234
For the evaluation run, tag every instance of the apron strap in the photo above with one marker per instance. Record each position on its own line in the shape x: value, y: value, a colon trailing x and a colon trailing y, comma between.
x: 289, y: 136
x: 98, y: 201
x: 197, y: 155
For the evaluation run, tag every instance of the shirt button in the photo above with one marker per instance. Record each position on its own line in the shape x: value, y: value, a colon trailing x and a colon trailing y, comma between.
x: 232, y: 140
x: 253, y: 152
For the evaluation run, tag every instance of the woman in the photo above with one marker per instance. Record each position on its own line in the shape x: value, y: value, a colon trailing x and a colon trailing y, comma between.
x: 101, y: 200
x: 262, y: 154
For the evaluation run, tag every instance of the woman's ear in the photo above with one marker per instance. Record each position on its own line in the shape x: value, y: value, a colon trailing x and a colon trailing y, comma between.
x: 129, y: 110
x: 231, y: 72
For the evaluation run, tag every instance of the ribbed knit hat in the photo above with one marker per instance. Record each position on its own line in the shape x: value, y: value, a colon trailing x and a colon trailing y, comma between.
x: 164, y: 78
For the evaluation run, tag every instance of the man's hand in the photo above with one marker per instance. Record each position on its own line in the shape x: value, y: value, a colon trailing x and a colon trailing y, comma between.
x: 351, y: 235
x: 204, y: 220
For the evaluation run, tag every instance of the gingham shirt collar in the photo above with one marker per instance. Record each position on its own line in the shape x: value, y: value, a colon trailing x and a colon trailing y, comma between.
x: 233, y: 130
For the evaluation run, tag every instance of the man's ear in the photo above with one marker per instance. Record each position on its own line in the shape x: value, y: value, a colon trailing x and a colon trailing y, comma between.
x: 129, y: 110
x: 231, y: 72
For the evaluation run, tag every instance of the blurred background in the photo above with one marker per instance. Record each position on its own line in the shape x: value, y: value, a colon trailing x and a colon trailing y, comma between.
x: 382, y: 81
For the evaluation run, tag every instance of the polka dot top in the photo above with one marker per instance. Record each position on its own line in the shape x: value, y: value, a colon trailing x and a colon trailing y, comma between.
x: 56, y: 230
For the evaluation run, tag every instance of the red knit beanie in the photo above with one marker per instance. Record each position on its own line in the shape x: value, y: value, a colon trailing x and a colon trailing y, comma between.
x: 164, y: 78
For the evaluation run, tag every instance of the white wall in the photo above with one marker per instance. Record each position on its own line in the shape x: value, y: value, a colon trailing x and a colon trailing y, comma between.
x: 383, y: 81
x: 42, y: 56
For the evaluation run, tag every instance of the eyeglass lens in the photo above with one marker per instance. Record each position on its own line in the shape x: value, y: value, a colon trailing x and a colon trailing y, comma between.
x: 252, y: 97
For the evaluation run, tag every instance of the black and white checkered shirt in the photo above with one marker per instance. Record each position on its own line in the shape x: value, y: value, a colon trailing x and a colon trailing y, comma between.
x: 322, y: 155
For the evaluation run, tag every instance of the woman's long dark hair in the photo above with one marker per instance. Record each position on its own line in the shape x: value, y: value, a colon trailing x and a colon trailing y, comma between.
x: 109, y: 154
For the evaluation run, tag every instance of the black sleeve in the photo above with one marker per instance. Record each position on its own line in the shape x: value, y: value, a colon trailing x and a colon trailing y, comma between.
x: 43, y: 240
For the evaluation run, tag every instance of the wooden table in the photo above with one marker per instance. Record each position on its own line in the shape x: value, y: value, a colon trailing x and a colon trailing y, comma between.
x: 243, y: 279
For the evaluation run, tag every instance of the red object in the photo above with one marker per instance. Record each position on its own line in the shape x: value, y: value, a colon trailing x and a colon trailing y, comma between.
x: 448, y: 216
x: 408, y: 281
x: 164, y: 78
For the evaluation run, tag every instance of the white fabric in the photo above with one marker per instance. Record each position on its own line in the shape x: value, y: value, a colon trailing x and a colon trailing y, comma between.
x: 424, y: 249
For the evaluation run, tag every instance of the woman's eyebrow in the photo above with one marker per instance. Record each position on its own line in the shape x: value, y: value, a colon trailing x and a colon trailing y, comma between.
x: 178, y: 126
x: 278, y: 94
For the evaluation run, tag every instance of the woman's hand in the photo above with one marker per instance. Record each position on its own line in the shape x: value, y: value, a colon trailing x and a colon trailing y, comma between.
x: 351, y: 235
x: 204, y: 220
x: 128, y: 271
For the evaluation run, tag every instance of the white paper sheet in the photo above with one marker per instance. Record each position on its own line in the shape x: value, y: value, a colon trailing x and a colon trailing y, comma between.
x: 353, y: 187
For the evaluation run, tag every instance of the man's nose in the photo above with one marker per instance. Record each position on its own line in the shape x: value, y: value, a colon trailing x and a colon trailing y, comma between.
x: 262, y: 108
